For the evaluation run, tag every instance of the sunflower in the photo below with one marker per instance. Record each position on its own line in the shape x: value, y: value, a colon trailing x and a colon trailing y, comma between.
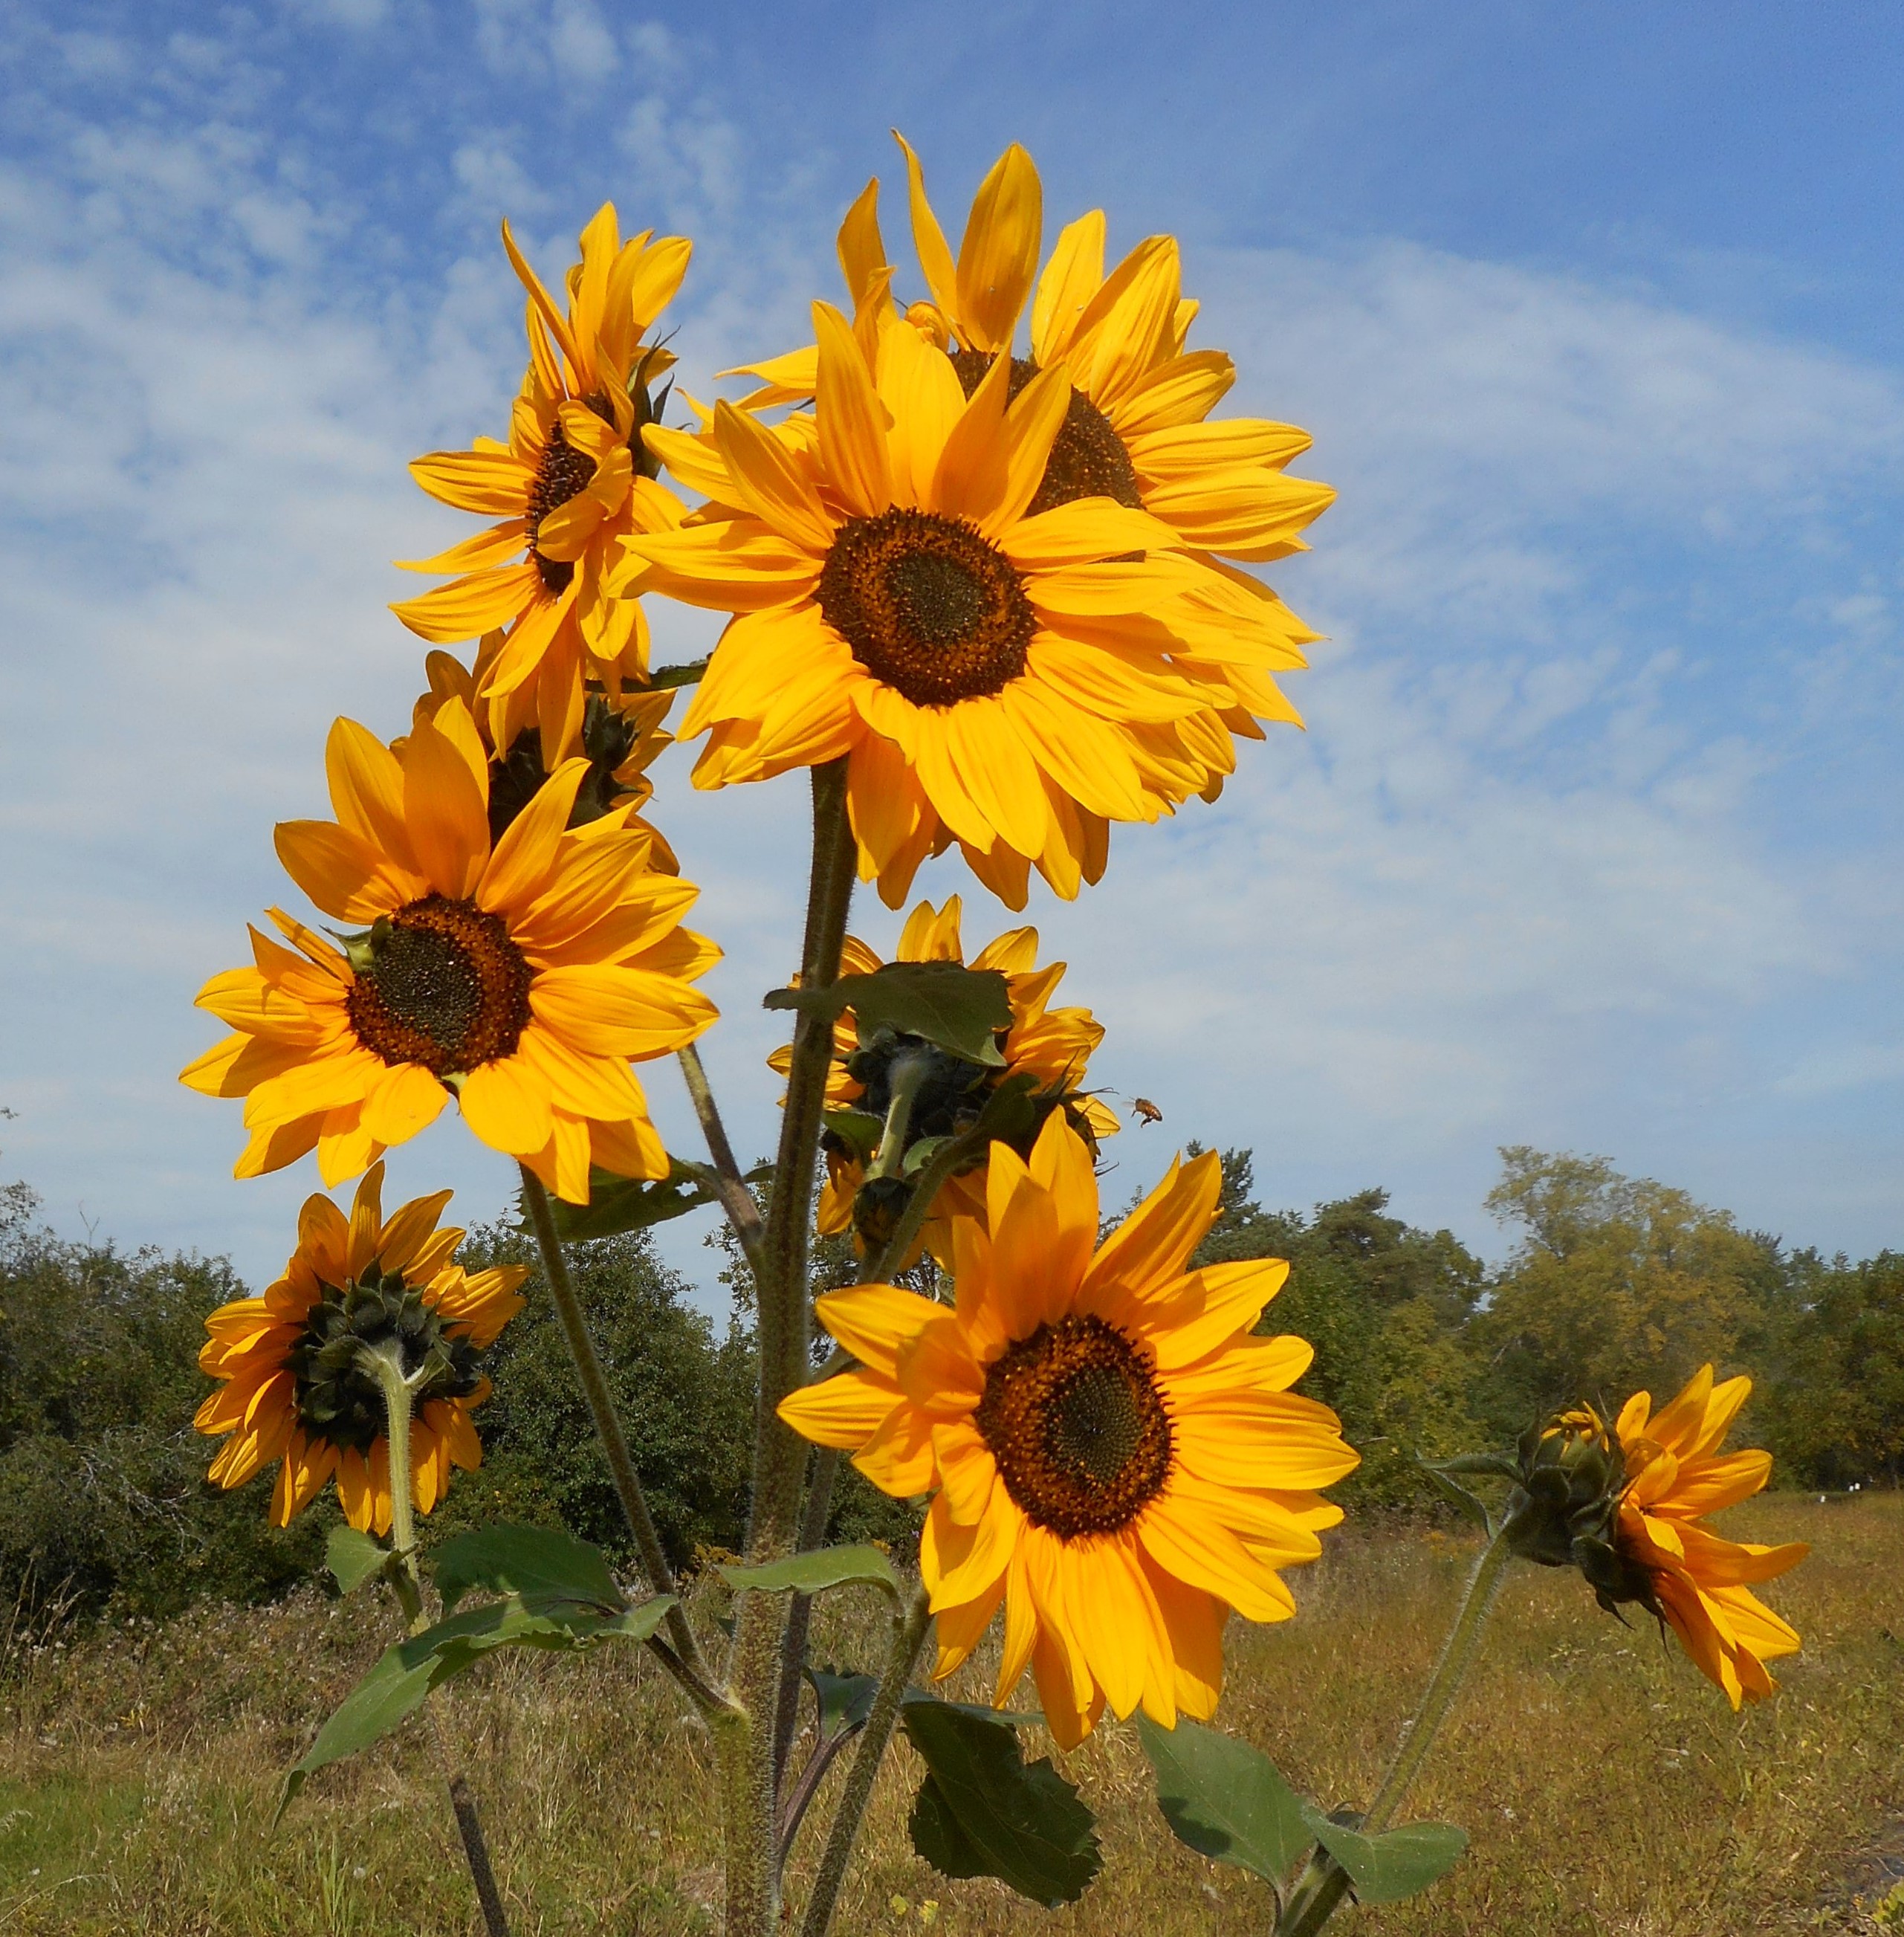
x: 524, y: 973
x: 1675, y: 1565
x: 1010, y: 680
x: 622, y: 736
x: 1113, y: 1458
x: 291, y: 1386
x: 573, y: 481
x: 1051, y: 1045
x: 1134, y: 427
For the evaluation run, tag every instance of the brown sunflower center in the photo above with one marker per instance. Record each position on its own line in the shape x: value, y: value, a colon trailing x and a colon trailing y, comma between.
x: 1074, y: 1418
x: 1087, y: 457
x: 563, y: 473
x: 927, y: 605
x: 445, y: 986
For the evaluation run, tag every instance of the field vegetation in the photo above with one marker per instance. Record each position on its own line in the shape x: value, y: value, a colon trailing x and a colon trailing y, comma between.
x: 1608, y: 1790
x: 170, y: 1655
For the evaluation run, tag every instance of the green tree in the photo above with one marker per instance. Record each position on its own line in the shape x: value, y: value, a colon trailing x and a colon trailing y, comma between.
x: 1833, y: 1411
x: 1382, y: 1303
x: 684, y: 1390
x: 103, y: 1496
x: 1616, y: 1283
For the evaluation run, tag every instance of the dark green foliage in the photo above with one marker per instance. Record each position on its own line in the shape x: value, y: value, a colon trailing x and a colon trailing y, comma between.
x: 685, y: 1394
x: 1384, y: 1304
x: 1615, y: 1283
x: 1832, y: 1412
x: 103, y: 1496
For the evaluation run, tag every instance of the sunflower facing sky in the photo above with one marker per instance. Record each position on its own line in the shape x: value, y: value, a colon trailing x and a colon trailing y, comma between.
x: 1010, y: 679
x: 1114, y: 1459
x: 1136, y: 427
x: 291, y: 1386
x: 621, y: 737
x: 525, y: 975
x: 573, y: 480
x: 1699, y: 1582
x: 1053, y: 1045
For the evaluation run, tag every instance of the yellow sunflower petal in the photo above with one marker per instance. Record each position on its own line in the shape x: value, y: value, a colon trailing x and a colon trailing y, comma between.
x: 852, y: 419
x: 1071, y: 278
x: 999, y: 256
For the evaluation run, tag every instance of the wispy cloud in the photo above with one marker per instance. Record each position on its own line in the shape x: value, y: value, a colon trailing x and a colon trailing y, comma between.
x: 1569, y: 852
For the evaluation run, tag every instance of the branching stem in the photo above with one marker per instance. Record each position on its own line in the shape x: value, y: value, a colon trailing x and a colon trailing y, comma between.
x: 385, y: 1363
x: 736, y: 1200
x: 909, y: 1632
x: 779, y: 1466
x: 1323, y: 1884
x: 685, y: 1656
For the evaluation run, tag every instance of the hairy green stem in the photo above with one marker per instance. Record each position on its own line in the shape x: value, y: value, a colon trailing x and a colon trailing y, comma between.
x: 736, y: 1200
x: 910, y: 1633
x: 1323, y: 1884
x: 385, y: 1365
x: 779, y: 1453
x: 908, y: 1073
x: 686, y: 1650
x: 823, y: 1470
x: 780, y: 1463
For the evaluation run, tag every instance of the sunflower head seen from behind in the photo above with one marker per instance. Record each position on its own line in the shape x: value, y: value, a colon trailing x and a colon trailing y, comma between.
x: 523, y: 975
x: 1051, y: 1047
x: 622, y: 734
x: 573, y: 481
x: 294, y: 1385
x: 1115, y: 1460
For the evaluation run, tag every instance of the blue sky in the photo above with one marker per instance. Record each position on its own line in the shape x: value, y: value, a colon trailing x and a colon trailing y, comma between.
x: 1594, y: 840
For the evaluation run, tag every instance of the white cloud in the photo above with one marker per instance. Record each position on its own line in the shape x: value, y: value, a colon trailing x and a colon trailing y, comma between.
x: 1514, y: 881
x: 585, y: 52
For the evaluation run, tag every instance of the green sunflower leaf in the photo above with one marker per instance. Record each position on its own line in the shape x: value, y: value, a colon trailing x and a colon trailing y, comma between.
x: 846, y: 1700
x: 983, y: 1811
x: 354, y: 1558
x: 546, y: 1570
x: 857, y: 1128
x: 689, y: 674
x: 1394, y: 1863
x: 619, y: 1204
x: 1226, y: 1800
x: 815, y: 1573
x: 404, y: 1674
x: 958, y: 1008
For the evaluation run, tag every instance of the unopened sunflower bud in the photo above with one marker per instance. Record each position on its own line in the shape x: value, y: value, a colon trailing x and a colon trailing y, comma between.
x: 1566, y: 1499
x: 878, y: 1205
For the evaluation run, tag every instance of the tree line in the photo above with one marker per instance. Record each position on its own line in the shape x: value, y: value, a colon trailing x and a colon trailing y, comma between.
x: 1612, y: 1284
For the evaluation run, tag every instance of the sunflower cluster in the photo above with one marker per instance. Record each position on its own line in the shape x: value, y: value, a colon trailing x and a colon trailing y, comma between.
x: 983, y: 547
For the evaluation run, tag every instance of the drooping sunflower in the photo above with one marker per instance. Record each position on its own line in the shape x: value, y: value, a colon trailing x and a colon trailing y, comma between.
x: 622, y: 736
x: 524, y: 973
x: 1672, y: 1562
x: 1114, y: 1459
x: 1014, y: 681
x: 1052, y: 1045
x: 573, y: 480
x: 291, y: 1386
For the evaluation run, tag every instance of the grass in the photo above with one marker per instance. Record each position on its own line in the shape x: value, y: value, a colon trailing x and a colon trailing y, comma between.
x: 1609, y: 1791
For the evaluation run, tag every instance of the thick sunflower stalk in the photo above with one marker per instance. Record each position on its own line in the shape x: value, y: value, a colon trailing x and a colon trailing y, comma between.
x: 992, y: 602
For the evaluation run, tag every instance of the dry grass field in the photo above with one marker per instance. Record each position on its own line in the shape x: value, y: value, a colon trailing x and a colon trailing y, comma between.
x: 1608, y: 1790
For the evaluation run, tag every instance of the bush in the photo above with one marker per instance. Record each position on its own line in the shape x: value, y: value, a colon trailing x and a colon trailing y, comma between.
x: 102, y: 1489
